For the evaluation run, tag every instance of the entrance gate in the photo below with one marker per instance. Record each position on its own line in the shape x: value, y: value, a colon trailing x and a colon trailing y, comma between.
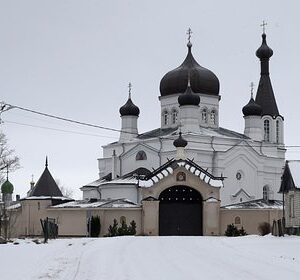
x: 180, y: 211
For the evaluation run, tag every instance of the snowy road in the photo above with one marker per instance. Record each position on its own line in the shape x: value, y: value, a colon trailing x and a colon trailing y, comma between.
x: 149, y: 258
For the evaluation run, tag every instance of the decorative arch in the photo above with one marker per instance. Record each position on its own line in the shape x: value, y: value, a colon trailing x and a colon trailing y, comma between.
x: 165, y: 117
x: 237, y: 220
x: 204, y: 115
x: 122, y: 220
x: 141, y: 155
x: 213, y: 116
x: 267, y: 130
x: 174, y: 116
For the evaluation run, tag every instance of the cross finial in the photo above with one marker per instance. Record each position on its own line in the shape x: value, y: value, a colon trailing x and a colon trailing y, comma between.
x: 32, y: 180
x: 7, y: 172
x: 129, y: 89
x: 263, y: 25
x: 189, y: 33
x: 46, y: 165
x: 252, y: 87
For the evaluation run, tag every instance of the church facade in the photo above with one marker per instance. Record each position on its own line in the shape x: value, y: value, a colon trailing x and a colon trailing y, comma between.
x: 189, y: 176
x: 250, y: 162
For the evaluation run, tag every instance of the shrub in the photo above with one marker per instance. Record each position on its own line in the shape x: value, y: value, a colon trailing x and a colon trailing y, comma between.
x: 264, y: 228
x: 114, y: 230
x: 95, y: 226
x: 232, y: 230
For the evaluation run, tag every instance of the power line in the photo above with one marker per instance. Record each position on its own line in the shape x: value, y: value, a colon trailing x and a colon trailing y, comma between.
x: 65, y: 119
x: 6, y: 107
x: 61, y: 130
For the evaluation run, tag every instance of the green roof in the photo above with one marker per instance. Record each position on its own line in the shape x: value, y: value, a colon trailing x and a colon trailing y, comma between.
x: 7, y: 187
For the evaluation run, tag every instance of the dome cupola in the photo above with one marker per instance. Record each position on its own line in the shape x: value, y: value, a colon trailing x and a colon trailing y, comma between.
x: 252, y: 108
x: 202, y: 80
x: 129, y: 108
x: 189, y: 97
x: 264, y: 51
x: 7, y: 187
x: 180, y: 142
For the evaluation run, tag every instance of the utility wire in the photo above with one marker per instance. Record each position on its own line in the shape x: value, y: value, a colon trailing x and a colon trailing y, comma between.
x: 65, y: 119
x: 9, y: 106
x: 57, y: 129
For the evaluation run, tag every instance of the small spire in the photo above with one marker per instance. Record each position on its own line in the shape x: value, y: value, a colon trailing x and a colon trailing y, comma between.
x: 263, y: 25
x: 7, y: 172
x: 46, y: 164
x: 189, y: 33
x: 129, y: 90
x: 252, y: 88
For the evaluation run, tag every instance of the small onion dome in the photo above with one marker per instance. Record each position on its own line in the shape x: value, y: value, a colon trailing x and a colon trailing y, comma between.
x: 7, y: 187
x: 188, y: 98
x: 264, y: 51
x: 252, y: 109
x: 180, y: 142
x: 202, y: 80
x: 129, y: 109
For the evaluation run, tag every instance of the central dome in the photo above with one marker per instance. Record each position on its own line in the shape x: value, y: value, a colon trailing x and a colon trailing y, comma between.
x: 202, y: 79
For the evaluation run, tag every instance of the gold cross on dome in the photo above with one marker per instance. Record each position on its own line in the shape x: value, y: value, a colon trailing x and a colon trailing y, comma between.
x: 129, y: 89
x: 263, y: 25
x: 189, y: 33
x: 252, y: 87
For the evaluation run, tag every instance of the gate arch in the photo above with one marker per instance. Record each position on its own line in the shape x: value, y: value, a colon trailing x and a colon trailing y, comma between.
x: 180, y: 211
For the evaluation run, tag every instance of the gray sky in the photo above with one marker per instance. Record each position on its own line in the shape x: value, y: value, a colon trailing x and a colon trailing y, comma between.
x: 75, y: 58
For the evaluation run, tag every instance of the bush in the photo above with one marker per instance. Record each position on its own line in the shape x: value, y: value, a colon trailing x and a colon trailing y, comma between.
x: 264, y: 228
x: 114, y: 230
x: 95, y: 226
x: 232, y: 230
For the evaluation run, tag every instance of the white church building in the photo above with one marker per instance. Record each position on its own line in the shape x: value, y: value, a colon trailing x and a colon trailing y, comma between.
x: 189, y: 176
x: 251, y: 161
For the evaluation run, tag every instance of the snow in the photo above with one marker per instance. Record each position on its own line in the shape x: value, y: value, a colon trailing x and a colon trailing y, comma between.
x: 108, y: 203
x: 46, y: 197
x: 152, y: 258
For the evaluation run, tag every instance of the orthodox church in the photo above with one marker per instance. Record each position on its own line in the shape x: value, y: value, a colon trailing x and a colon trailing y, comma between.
x: 189, y: 176
x: 251, y: 162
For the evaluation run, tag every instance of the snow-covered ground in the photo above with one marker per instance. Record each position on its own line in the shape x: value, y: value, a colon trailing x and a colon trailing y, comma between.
x: 145, y: 258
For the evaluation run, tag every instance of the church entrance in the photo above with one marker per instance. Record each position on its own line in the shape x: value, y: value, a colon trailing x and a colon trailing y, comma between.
x: 180, y: 211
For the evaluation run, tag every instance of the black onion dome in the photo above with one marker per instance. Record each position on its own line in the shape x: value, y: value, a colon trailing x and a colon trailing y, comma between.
x: 264, y: 51
x: 202, y: 79
x: 129, y: 109
x: 188, y: 98
x: 180, y: 142
x: 252, y: 109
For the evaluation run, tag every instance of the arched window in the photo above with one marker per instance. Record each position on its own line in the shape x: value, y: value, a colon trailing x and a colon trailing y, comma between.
x: 174, y: 116
x: 266, y: 193
x: 165, y: 117
x: 237, y: 220
x: 141, y: 155
x: 204, y: 115
x: 277, y: 131
x: 213, y: 117
x: 122, y: 220
x: 267, y: 130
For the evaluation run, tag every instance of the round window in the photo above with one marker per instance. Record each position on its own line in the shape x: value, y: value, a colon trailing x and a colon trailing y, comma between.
x: 238, y: 176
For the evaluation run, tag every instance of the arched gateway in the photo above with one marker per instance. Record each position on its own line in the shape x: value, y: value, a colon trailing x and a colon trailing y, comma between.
x: 180, y: 211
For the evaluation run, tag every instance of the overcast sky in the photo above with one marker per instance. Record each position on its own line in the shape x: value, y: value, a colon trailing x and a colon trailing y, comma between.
x: 75, y: 59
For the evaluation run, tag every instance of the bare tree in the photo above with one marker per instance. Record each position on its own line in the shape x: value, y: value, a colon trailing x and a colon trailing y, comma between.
x: 67, y: 192
x: 8, y: 159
